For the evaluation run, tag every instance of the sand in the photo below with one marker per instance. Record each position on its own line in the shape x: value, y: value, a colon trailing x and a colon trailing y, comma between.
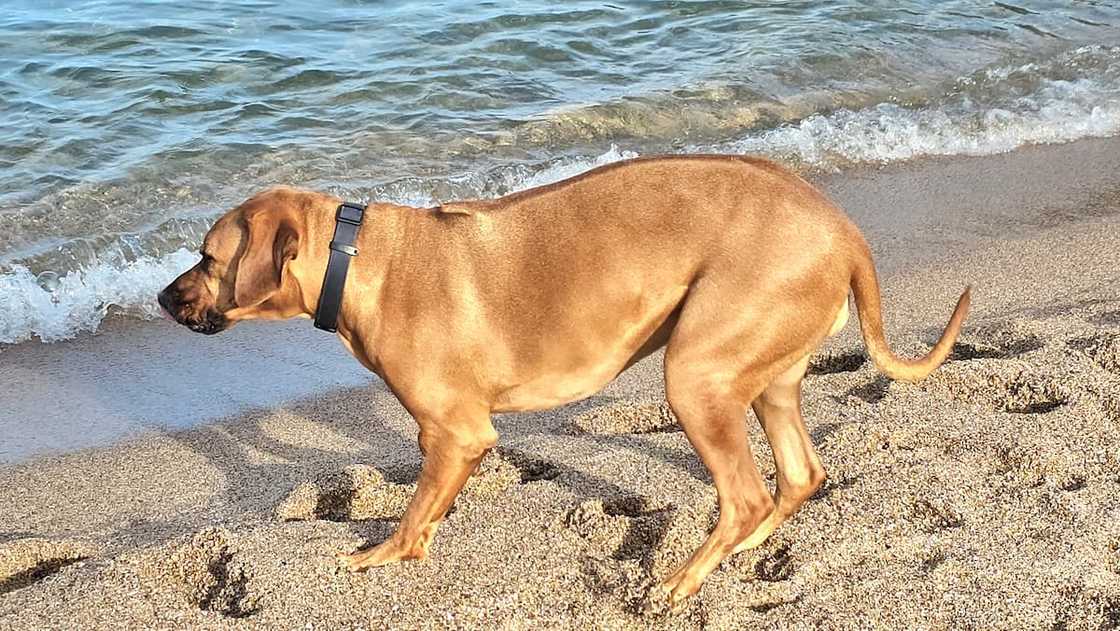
x: 986, y: 497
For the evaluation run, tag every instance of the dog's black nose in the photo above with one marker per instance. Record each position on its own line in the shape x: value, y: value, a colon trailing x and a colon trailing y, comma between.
x: 164, y: 299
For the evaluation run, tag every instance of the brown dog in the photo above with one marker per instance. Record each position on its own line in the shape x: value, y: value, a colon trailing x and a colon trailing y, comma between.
x: 542, y: 297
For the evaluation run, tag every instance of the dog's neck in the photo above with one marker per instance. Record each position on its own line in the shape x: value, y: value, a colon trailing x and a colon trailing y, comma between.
x: 379, y: 241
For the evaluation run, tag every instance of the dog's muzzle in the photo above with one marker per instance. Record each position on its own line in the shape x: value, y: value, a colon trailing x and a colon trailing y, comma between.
x: 210, y: 323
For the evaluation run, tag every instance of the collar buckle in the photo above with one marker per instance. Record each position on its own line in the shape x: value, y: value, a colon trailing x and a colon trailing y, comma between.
x: 349, y: 213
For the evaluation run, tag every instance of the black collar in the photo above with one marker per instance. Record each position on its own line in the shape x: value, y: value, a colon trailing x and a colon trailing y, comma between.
x: 347, y: 221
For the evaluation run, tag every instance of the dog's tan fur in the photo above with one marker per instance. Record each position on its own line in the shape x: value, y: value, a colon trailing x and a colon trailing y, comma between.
x: 542, y: 297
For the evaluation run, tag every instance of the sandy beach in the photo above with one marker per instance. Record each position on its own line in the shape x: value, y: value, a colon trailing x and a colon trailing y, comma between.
x: 986, y: 497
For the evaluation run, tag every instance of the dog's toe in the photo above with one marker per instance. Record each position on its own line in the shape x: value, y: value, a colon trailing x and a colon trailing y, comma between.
x: 349, y: 561
x: 664, y: 599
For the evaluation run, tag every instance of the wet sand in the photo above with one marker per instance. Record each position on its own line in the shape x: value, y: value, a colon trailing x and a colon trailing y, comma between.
x: 137, y: 377
x: 987, y: 496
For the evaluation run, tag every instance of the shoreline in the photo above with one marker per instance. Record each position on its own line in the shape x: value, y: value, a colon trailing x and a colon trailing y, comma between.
x: 944, y: 505
x: 953, y: 206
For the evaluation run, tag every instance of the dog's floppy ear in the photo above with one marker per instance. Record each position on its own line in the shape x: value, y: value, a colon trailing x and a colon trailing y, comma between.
x: 272, y: 241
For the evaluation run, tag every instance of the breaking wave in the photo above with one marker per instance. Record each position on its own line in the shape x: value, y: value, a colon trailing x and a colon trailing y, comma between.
x: 1070, y: 96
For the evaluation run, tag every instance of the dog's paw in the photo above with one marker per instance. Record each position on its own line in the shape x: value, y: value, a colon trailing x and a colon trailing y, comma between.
x: 659, y: 601
x: 353, y: 562
x: 384, y: 553
x: 668, y: 598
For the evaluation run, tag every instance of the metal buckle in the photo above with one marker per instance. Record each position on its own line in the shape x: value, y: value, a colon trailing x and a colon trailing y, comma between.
x: 349, y: 213
x: 345, y: 249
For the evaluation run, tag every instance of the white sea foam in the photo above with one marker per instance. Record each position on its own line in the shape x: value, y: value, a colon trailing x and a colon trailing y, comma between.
x: 994, y: 117
x: 568, y: 168
x: 1076, y: 95
x: 80, y: 300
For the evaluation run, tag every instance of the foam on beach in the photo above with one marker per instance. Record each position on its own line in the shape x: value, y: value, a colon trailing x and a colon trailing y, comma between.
x: 60, y: 308
x: 1073, y: 95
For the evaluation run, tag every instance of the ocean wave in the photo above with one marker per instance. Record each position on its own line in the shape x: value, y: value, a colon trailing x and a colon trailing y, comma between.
x: 58, y: 308
x: 998, y: 109
x: 1074, y: 96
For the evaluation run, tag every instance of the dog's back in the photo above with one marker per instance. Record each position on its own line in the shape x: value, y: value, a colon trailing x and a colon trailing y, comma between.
x: 567, y: 284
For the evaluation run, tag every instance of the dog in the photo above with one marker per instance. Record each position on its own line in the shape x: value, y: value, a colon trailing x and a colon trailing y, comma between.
x: 737, y: 266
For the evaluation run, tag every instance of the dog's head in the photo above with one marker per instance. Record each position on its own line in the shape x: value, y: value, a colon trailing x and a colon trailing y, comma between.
x: 245, y: 268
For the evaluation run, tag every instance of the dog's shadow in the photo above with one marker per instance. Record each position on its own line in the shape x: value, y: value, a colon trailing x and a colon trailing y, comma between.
x: 260, y: 462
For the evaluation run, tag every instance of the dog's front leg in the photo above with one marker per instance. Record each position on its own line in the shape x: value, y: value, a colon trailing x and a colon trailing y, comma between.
x: 453, y: 445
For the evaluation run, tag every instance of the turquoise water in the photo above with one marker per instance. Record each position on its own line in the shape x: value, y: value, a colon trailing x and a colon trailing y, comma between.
x: 128, y: 125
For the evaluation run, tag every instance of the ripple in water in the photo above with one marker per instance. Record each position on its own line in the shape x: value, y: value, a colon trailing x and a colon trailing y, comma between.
x: 130, y: 124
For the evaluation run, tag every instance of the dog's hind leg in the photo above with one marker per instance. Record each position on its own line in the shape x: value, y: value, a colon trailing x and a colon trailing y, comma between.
x: 452, y: 451
x: 705, y: 387
x: 799, y: 470
x: 715, y: 424
x: 727, y: 350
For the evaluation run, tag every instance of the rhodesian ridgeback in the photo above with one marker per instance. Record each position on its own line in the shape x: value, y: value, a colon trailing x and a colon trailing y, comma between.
x: 737, y: 266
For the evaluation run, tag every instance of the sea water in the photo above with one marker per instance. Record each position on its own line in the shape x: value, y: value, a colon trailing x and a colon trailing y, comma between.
x: 126, y: 126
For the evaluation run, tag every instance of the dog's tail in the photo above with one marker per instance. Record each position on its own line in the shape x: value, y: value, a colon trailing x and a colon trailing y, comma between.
x: 865, y: 287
